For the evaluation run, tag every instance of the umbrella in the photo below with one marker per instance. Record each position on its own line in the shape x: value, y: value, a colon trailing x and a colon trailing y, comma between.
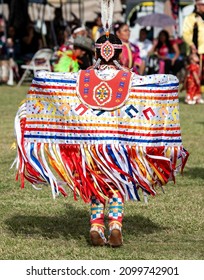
x: 156, y: 20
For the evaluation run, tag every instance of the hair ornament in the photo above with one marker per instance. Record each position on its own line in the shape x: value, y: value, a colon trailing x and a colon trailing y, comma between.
x: 97, y: 64
x: 107, y: 49
x: 116, y: 46
x: 107, y: 15
x: 118, y: 65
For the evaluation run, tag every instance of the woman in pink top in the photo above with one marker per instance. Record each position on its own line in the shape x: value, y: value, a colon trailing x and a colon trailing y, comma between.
x: 130, y: 57
x: 168, y: 54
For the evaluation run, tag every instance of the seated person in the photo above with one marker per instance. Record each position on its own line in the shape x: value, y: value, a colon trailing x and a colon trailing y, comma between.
x: 168, y: 54
x: 70, y: 60
x: 31, y: 43
x: 78, y: 30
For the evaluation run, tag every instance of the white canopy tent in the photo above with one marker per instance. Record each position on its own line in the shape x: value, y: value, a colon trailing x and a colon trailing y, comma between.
x: 85, y: 10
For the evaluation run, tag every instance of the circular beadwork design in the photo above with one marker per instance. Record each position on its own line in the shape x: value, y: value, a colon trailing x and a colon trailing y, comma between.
x: 107, y: 50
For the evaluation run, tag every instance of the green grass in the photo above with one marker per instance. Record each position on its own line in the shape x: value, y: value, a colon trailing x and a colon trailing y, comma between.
x: 34, y: 226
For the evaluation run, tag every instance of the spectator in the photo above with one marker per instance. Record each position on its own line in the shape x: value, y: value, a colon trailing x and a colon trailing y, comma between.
x: 192, y: 81
x: 69, y: 60
x: 7, y: 63
x: 16, y: 42
x: 77, y: 30
x: 193, y: 28
x: 14, y: 55
x: 12, y: 66
x: 168, y: 54
x: 130, y: 57
x: 31, y: 43
x: 97, y: 29
x: 3, y: 52
x: 59, y: 25
x: 145, y: 46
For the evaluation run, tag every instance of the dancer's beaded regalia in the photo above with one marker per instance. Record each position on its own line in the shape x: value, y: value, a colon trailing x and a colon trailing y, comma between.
x: 105, y: 132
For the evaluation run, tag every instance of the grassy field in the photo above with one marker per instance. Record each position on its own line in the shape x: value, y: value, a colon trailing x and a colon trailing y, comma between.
x: 34, y: 226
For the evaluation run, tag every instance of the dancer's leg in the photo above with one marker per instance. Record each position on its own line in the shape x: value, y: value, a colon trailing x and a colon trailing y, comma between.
x: 97, y: 222
x: 116, y: 209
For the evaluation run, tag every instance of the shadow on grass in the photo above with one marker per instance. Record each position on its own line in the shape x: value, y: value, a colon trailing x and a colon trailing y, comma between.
x: 137, y: 225
x: 73, y: 224
x: 194, y: 173
x: 181, y: 99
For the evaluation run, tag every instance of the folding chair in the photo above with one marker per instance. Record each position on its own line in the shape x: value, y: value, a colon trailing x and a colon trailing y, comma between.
x: 40, y: 61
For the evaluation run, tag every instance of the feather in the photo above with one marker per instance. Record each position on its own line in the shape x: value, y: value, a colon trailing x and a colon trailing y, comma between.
x: 107, y: 14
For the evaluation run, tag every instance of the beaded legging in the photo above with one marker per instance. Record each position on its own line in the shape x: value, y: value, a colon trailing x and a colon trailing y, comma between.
x: 115, y: 210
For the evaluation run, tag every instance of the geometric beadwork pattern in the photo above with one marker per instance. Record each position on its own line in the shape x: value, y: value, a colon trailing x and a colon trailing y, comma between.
x: 107, y: 50
x: 131, y: 111
x: 56, y: 114
x: 97, y: 209
x: 107, y: 94
x: 102, y: 93
x: 115, y: 207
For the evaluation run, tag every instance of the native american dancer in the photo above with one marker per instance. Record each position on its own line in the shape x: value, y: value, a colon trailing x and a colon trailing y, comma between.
x: 105, y: 132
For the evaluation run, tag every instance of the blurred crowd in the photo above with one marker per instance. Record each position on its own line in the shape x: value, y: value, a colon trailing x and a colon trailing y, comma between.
x: 73, y: 49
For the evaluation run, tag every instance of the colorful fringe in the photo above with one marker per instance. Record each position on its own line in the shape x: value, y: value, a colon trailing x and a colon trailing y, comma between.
x: 61, y: 142
x: 93, y: 169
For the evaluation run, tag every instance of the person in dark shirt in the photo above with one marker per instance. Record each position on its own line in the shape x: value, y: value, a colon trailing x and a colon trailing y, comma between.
x: 31, y: 43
